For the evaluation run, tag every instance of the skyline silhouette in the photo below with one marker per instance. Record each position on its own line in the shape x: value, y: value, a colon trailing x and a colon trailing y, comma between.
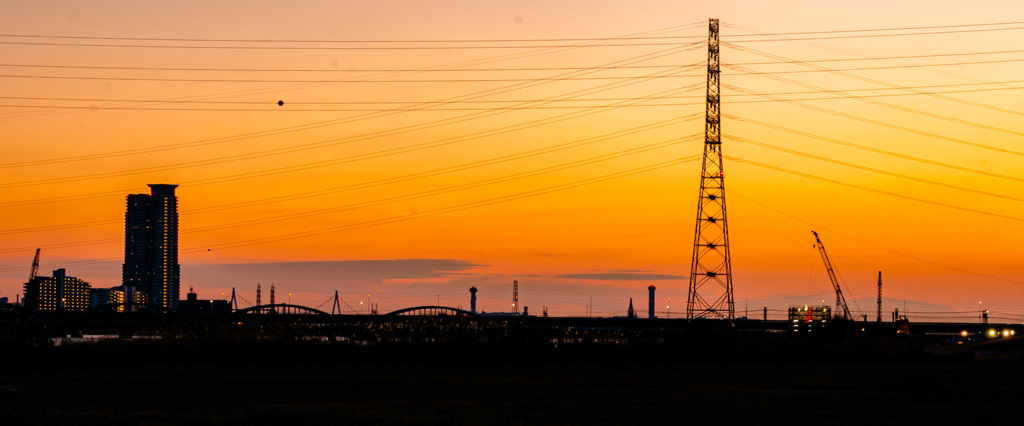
x: 412, y: 154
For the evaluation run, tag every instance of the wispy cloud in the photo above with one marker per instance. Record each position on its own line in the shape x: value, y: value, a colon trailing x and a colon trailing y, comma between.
x: 318, y: 274
x: 623, y: 276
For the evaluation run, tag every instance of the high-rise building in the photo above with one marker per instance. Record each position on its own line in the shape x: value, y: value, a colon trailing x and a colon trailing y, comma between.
x: 57, y: 293
x: 151, y: 246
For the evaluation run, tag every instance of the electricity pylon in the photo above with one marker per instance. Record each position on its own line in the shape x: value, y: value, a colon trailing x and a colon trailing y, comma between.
x: 710, y: 292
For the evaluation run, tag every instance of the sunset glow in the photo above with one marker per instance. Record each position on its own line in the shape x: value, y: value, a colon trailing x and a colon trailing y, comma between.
x: 421, y: 148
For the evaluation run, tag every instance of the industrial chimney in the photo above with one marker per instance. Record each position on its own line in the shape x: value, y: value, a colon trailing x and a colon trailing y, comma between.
x: 650, y: 302
x: 472, y: 299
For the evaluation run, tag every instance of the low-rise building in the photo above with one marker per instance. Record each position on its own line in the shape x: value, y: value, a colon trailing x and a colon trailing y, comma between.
x: 59, y: 293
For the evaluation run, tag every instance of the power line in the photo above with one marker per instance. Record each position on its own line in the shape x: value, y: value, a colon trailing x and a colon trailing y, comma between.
x: 747, y: 71
x: 326, y: 123
x: 569, y: 100
x: 744, y: 71
x: 395, y: 219
x: 874, y: 150
x: 275, y: 110
x: 874, y: 170
x: 990, y: 24
x: 450, y: 189
x: 832, y: 231
x: 265, y: 41
x: 888, y: 125
x: 881, y: 83
x: 452, y: 209
x: 862, y: 35
x: 436, y: 81
x: 338, y: 71
x: 398, y: 179
x: 879, y: 191
x: 471, y: 62
x: 218, y: 47
x: 463, y: 70
x: 321, y: 163
x: 877, y: 58
x: 477, y: 41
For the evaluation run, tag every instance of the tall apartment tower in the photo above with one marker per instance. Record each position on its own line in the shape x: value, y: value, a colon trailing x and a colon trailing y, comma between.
x: 151, y: 246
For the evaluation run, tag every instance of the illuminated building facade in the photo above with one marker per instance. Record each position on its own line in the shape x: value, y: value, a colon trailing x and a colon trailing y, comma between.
x: 809, y: 318
x: 151, y: 246
x: 123, y: 299
x: 59, y: 293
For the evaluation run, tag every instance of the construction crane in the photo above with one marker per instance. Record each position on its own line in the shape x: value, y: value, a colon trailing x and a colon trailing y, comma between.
x: 35, y: 267
x: 840, y: 300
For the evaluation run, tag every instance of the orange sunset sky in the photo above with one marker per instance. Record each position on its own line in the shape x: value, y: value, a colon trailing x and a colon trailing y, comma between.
x: 426, y: 147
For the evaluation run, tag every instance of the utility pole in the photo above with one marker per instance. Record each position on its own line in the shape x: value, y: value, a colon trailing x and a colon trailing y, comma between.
x: 710, y: 292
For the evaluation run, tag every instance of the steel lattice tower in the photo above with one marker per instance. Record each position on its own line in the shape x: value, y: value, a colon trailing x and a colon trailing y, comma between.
x: 711, y: 269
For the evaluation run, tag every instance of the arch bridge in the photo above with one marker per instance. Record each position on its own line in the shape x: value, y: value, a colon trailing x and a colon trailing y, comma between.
x: 280, y: 309
x: 435, y: 311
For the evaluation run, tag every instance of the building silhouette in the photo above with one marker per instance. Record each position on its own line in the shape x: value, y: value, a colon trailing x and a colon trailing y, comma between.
x: 151, y: 246
x: 59, y: 293
x: 122, y: 299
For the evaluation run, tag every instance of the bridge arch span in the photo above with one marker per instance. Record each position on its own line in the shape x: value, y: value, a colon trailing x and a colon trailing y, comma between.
x: 433, y: 311
x: 280, y: 309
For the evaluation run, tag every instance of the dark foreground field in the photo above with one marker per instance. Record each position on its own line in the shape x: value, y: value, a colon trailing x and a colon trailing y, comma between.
x: 969, y: 393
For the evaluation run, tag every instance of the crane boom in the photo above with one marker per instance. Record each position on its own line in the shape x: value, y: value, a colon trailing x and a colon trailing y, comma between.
x: 35, y: 266
x: 840, y: 300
